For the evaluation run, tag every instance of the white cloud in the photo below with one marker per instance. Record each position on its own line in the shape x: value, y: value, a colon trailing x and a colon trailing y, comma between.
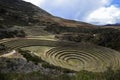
x: 72, y: 9
x: 105, y: 15
x: 36, y: 2
x: 93, y: 11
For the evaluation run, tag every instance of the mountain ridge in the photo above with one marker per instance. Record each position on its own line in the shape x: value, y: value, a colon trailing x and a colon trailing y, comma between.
x: 26, y: 13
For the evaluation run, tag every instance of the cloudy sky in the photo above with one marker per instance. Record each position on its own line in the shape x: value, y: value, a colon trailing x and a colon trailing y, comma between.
x: 93, y: 11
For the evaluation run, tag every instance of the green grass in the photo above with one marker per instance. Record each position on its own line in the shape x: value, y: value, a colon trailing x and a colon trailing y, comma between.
x: 83, y: 58
x: 82, y: 75
x: 23, y: 76
x: 70, y: 55
x: 35, y: 59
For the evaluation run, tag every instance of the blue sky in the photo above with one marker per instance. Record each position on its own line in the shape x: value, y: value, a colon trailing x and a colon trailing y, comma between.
x: 92, y: 11
x: 116, y: 2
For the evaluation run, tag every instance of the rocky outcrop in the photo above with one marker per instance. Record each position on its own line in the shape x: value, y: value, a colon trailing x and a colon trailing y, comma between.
x: 17, y: 65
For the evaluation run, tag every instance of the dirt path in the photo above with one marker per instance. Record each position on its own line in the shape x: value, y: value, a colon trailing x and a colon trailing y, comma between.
x: 8, y: 54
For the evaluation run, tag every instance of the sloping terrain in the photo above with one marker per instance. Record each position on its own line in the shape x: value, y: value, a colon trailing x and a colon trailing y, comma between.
x: 54, y: 47
x: 18, y: 14
x: 24, y: 13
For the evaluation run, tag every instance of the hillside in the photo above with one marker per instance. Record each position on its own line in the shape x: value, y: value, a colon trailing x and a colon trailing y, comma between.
x: 36, y: 45
x: 117, y: 24
x: 18, y: 14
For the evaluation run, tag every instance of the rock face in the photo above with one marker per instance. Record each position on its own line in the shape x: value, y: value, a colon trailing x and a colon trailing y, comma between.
x: 19, y: 65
